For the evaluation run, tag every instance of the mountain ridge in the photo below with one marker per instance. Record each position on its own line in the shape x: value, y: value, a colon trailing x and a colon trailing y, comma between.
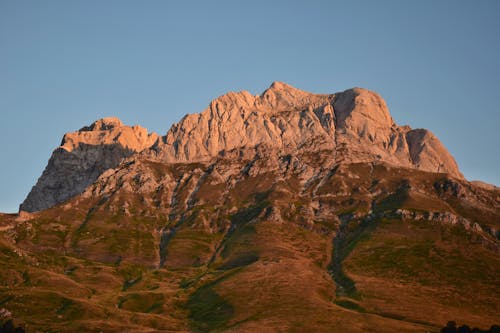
x: 355, y: 124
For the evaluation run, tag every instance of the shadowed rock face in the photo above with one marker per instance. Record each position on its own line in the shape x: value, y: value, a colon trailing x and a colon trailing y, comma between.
x: 354, y: 126
x: 82, y: 157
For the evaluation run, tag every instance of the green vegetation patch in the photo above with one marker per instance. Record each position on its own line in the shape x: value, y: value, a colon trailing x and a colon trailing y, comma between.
x: 189, y: 247
x: 349, y: 235
x: 131, y: 275
x: 348, y: 304
x: 425, y: 253
x: 392, y: 202
x: 208, y: 311
x: 45, y: 306
x: 116, y: 239
x: 146, y: 302
x: 239, y: 261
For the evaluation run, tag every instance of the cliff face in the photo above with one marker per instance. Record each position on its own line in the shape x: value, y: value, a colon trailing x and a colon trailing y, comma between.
x: 82, y: 157
x: 353, y: 126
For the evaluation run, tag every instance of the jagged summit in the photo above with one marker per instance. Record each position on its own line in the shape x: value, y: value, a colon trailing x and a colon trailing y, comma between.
x: 283, y: 97
x: 355, y: 124
x: 103, y: 124
x: 365, y: 103
x: 278, y: 85
x: 278, y: 97
x: 83, y: 156
x: 352, y: 126
x: 109, y: 131
x: 284, y: 89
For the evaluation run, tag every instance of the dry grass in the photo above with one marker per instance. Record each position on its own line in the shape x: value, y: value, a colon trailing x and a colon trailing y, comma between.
x: 254, y: 258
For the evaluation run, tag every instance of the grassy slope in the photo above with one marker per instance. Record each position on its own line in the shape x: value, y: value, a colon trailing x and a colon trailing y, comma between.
x: 286, y: 290
x: 423, y: 272
x: 231, y: 266
x: 269, y: 276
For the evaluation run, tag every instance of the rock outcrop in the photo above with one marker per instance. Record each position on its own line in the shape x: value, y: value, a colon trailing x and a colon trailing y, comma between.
x: 350, y: 126
x: 82, y: 157
x: 355, y: 124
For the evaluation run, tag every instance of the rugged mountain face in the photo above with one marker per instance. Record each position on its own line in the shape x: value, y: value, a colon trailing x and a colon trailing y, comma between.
x: 354, y: 125
x: 82, y: 157
x: 284, y: 212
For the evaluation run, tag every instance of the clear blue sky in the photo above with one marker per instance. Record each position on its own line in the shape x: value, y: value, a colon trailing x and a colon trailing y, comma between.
x: 64, y: 64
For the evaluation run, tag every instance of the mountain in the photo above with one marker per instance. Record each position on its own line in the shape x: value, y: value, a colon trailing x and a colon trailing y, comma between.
x: 82, y: 157
x: 355, y: 126
x: 283, y: 212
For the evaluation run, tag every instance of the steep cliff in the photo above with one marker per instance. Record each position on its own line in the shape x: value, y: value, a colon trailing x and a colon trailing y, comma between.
x: 353, y: 126
x: 82, y: 157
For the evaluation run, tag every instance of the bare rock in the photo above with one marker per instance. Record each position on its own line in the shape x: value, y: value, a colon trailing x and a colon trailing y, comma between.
x: 282, y: 122
x: 355, y: 124
x: 82, y: 157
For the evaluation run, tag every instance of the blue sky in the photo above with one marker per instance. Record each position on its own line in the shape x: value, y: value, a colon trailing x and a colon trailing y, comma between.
x: 64, y: 64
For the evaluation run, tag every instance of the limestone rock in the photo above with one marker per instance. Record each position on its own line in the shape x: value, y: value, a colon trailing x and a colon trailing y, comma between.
x: 355, y: 124
x: 283, y: 122
x: 83, y: 156
x: 109, y: 131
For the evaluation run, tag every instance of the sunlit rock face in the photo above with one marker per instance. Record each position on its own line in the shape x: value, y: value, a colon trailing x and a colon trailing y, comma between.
x: 350, y: 126
x: 82, y: 157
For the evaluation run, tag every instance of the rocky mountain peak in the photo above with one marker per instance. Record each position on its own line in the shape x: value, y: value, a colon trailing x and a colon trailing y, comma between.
x: 83, y: 156
x: 278, y: 97
x: 280, y: 86
x: 108, y: 131
x: 355, y: 125
x: 283, y: 97
x: 349, y: 127
x: 362, y: 105
x: 103, y: 124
